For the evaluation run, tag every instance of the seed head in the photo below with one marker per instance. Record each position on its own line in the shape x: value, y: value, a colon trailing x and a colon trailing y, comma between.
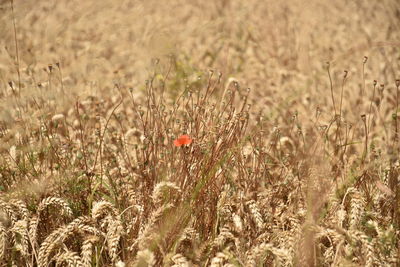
x: 364, y: 117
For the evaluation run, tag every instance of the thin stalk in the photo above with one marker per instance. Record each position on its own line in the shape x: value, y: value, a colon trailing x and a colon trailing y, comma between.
x: 341, y: 94
x: 340, y: 107
x: 397, y: 97
x: 397, y: 108
x: 363, y: 74
x: 370, y: 108
x: 61, y: 77
x: 16, y: 46
x: 331, y: 85
x: 363, y: 118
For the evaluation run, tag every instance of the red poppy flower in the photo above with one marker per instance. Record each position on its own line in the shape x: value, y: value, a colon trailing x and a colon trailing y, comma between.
x: 183, y: 140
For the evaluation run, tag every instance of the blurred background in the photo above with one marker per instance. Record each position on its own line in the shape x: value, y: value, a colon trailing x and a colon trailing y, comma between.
x: 270, y: 46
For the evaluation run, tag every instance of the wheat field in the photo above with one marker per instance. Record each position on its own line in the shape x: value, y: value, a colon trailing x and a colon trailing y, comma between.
x: 199, y: 133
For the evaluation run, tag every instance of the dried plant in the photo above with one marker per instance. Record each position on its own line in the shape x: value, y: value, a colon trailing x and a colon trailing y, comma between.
x: 129, y: 136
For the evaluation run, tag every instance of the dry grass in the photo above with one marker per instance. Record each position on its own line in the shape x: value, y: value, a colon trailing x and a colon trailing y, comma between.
x: 300, y: 170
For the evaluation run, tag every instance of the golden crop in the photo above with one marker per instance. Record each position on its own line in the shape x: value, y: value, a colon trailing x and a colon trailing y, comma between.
x: 199, y: 133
